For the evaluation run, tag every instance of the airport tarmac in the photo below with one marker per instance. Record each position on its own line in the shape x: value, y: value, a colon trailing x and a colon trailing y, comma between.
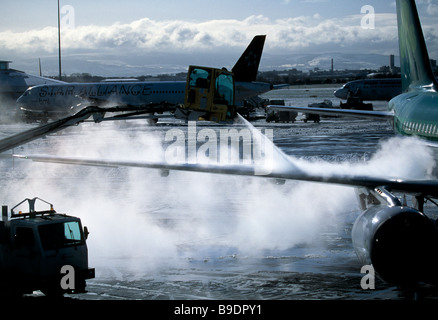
x: 200, y: 236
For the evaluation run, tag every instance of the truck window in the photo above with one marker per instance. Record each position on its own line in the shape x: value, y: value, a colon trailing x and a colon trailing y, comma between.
x: 60, y: 235
x: 72, y: 231
x: 200, y: 78
x: 224, y: 89
x: 24, y: 237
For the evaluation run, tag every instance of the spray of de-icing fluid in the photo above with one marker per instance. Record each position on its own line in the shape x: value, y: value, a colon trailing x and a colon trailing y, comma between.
x: 144, y: 221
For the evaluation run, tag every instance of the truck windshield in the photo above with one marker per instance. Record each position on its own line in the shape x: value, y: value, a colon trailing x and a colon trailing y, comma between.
x: 200, y: 78
x: 60, y: 235
x: 225, y: 88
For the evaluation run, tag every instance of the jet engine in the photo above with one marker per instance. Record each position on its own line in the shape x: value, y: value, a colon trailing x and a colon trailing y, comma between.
x: 400, y: 242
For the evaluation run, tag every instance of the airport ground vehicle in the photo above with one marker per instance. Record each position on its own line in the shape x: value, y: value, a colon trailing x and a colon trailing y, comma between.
x: 280, y: 116
x: 210, y: 95
x: 356, y: 103
x: 42, y: 250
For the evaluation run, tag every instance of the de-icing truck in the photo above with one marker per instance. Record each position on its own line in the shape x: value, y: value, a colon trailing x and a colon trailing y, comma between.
x: 42, y: 250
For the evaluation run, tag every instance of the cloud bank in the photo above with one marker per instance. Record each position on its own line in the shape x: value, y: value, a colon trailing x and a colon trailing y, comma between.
x: 305, y: 33
x: 147, y: 46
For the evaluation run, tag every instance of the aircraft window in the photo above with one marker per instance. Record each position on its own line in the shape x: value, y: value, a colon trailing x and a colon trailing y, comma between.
x: 60, y: 235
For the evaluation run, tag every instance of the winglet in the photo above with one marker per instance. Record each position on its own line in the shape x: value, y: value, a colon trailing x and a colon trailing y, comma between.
x: 414, y: 59
x: 247, y: 66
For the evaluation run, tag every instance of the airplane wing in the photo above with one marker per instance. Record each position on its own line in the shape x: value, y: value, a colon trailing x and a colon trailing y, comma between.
x: 97, y: 114
x: 40, y: 131
x: 286, y: 171
x: 375, y: 115
x: 280, y: 86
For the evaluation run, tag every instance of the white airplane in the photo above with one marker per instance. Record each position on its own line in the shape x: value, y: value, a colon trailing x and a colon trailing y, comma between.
x: 370, y: 89
x: 59, y: 100
x: 400, y: 242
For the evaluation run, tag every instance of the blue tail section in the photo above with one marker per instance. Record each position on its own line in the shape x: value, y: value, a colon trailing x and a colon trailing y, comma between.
x: 247, y: 66
x: 414, y: 59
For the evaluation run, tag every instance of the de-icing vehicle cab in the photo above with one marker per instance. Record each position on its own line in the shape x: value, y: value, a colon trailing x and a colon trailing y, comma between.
x: 42, y: 250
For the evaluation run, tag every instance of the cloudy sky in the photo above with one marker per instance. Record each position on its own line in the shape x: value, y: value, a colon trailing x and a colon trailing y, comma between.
x: 118, y: 33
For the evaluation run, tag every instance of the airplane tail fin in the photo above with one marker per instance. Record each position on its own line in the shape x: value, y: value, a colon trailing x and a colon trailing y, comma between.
x: 247, y: 66
x: 414, y: 59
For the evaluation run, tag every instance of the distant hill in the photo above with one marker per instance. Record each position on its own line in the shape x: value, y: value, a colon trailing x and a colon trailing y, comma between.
x: 341, y: 61
x: 164, y: 63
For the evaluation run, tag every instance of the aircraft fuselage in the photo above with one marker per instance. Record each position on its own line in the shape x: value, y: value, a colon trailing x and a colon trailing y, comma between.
x: 416, y: 113
x: 64, y: 99
x: 370, y: 89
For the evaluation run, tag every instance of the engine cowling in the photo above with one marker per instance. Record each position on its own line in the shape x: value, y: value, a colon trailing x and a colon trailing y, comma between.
x: 400, y: 242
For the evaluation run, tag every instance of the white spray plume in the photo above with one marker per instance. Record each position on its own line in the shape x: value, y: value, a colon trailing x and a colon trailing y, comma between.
x: 398, y: 157
x: 136, y: 214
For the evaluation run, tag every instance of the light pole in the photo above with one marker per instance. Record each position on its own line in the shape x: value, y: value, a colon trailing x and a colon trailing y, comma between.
x: 59, y: 42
